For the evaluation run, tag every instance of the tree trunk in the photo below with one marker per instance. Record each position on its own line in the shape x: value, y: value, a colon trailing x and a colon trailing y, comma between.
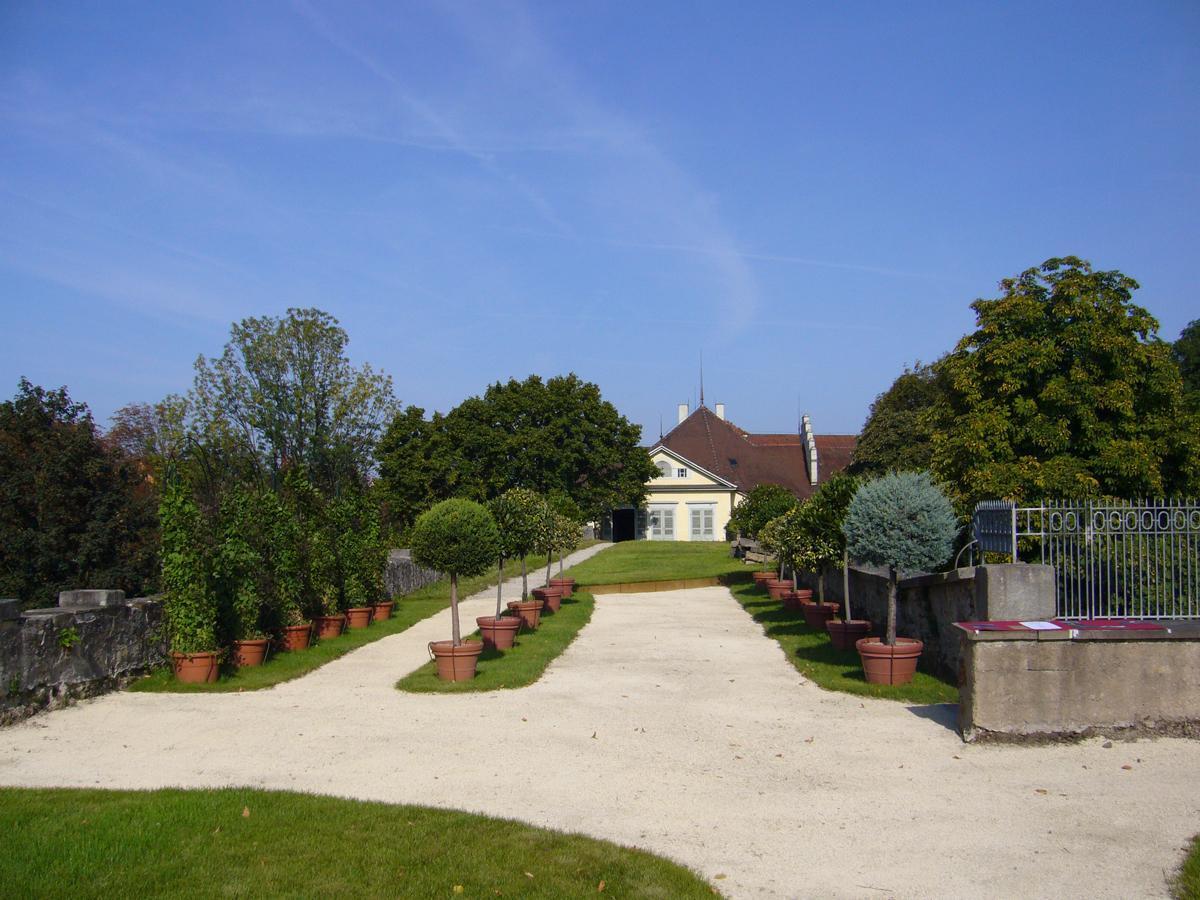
x: 549, y: 561
x: 846, y: 582
x: 499, y: 584
x: 821, y: 583
x: 524, y: 582
x: 893, y: 582
x: 455, y: 634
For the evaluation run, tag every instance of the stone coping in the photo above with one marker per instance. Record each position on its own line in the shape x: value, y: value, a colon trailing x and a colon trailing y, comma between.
x: 644, y: 587
x: 1172, y: 630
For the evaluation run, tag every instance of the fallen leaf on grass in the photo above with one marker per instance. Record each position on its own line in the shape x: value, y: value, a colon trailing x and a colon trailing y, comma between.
x: 245, y: 812
x: 458, y: 889
x: 600, y: 887
x: 529, y: 875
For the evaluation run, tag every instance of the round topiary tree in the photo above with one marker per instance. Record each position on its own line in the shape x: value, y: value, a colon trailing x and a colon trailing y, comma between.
x: 518, y: 513
x: 902, y: 521
x: 458, y: 537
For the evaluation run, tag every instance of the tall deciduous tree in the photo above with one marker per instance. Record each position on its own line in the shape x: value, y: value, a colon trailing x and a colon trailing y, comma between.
x: 1063, y: 390
x: 73, y: 510
x: 898, y: 436
x: 285, y: 390
x: 555, y: 436
x: 1186, y: 351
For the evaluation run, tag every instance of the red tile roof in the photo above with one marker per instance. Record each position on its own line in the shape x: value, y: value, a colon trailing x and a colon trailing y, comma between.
x: 749, y: 460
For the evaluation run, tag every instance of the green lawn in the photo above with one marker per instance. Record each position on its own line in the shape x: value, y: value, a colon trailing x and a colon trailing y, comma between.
x: 659, y: 561
x: 282, y: 667
x: 835, y: 670
x: 518, y: 667
x: 248, y: 843
x: 1187, y: 882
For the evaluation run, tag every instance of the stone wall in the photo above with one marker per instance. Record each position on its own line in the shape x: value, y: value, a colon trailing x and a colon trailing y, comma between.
x: 92, y: 642
x: 403, y: 576
x: 1038, y: 685
x: 929, y: 605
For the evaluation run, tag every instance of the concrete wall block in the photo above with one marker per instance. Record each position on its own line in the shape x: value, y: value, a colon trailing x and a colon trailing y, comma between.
x: 1015, y: 591
x: 90, y: 597
x: 1023, y: 688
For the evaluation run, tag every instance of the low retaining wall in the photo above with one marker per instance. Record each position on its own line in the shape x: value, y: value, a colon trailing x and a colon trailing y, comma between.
x: 92, y: 642
x: 403, y: 576
x: 1040, y: 685
x: 929, y: 605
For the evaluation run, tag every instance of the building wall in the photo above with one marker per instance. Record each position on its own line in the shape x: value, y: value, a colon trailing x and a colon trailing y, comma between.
x: 722, y: 500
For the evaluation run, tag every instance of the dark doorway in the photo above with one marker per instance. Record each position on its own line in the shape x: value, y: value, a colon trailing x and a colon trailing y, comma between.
x: 622, y: 525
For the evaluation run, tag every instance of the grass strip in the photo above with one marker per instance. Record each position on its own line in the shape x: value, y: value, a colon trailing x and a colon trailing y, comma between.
x: 245, y: 843
x: 815, y: 657
x: 280, y: 667
x: 632, y: 561
x: 1186, y: 885
x: 518, y: 667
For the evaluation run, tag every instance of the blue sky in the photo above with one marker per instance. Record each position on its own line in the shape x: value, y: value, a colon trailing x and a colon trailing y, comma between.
x: 809, y: 193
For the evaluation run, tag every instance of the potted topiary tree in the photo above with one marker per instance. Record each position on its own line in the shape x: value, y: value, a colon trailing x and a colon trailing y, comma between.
x: 827, y: 509
x: 789, y: 538
x: 190, y: 606
x: 569, y: 533
x: 458, y: 537
x: 283, y: 553
x: 770, y: 537
x: 517, y: 512
x: 238, y: 568
x: 902, y: 521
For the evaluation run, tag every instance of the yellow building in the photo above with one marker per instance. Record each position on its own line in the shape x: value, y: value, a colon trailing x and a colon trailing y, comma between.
x: 707, y: 465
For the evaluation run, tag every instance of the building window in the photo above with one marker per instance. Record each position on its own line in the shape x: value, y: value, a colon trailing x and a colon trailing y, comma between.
x: 658, y: 523
x: 664, y: 469
x: 681, y: 473
x: 701, y: 521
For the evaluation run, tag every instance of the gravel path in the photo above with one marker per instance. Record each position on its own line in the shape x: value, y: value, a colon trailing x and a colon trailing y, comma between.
x: 671, y: 724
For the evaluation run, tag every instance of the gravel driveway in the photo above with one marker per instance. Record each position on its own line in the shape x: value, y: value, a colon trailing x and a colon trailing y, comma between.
x: 671, y: 724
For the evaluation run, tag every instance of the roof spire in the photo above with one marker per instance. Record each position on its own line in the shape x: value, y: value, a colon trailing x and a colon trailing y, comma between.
x: 660, y: 434
x: 701, y: 377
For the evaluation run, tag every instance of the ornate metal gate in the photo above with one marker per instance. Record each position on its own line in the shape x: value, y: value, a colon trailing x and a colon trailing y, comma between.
x: 1140, y: 560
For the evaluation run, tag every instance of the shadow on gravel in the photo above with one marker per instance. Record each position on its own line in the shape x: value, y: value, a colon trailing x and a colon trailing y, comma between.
x: 944, y: 714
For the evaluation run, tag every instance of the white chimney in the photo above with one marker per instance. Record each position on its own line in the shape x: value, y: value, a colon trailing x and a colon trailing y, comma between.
x: 721, y: 411
x: 683, y: 412
x: 810, y: 445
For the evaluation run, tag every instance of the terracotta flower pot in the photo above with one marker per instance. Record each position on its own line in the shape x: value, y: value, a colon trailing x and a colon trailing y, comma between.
x: 329, y: 626
x: 566, y: 585
x: 551, y: 598
x: 817, y: 614
x: 455, y: 663
x: 793, y: 599
x: 381, y: 611
x: 195, y: 668
x: 250, y: 653
x: 530, y: 612
x: 761, y: 578
x: 498, y: 633
x: 845, y: 634
x: 296, y: 637
x: 777, y: 588
x: 889, y: 665
x: 358, y: 616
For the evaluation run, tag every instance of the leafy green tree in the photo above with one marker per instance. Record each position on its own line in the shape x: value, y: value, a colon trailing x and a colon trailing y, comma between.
x: 518, y: 513
x: 458, y: 537
x: 1186, y: 351
x: 190, y: 607
x: 239, y: 567
x: 555, y: 436
x: 1063, y: 390
x: 151, y: 434
x: 762, y: 504
x: 902, y: 521
x: 74, y: 511
x: 898, y: 435
x: 285, y: 393
x: 810, y: 537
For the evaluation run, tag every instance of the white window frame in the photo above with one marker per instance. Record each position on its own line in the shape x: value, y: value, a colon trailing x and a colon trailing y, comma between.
x: 681, y: 473
x: 660, y: 522
x: 705, y: 510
